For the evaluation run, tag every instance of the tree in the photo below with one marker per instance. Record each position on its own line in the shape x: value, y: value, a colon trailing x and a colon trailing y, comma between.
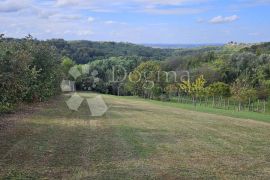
x: 210, y: 74
x: 195, y: 89
x: 67, y: 64
x: 147, y: 80
x: 2, y: 36
x: 242, y: 92
x: 219, y: 89
x: 29, y: 71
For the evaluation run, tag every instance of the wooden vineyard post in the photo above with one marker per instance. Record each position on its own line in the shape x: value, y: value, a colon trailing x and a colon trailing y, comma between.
x: 220, y: 101
x: 194, y: 101
x: 249, y: 104
x: 264, y: 106
x: 239, y: 106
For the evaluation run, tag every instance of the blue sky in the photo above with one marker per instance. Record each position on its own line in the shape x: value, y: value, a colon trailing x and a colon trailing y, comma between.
x: 138, y: 21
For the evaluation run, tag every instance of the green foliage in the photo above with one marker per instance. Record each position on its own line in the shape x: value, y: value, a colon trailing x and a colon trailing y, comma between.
x: 29, y: 71
x: 242, y: 92
x: 263, y: 92
x: 111, y: 74
x: 219, y: 89
x: 83, y: 52
x: 263, y: 48
x: 220, y: 67
x: 67, y: 64
x: 147, y: 80
x: 209, y: 73
x: 194, y: 89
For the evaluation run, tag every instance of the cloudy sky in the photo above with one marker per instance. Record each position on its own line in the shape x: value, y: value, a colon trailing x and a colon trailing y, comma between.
x: 138, y: 21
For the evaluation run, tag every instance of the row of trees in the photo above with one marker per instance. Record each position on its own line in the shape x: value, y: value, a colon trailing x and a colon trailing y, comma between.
x: 239, y: 90
x: 29, y: 71
x: 83, y: 52
x: 239, y: 82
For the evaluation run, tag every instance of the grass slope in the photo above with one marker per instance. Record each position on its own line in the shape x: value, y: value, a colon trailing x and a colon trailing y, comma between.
x: 136, y: 139
x: 231, y: 113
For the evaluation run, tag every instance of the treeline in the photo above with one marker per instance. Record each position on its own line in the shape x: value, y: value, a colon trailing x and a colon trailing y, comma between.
x: 30, y: 71
x: 83, y: 52
x: 263, y: 48
x: 242, y: 76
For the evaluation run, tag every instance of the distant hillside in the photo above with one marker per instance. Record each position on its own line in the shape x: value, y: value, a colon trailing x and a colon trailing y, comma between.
x: 87, y: 51
x: 181, y: 46
x: 83, y: 51
x: 262, y: 48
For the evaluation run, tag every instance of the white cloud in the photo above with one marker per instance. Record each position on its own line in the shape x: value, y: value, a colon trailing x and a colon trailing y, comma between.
x: 114, y: 22
x: 221, y: 19
x: 12, y: 5
x: 90, y: 19
x: 142, y: 6
x: 179, y: 11
x: 254, y: 34
x: 103, y: 6
x: 84, y: 32
x: 169, y: 2
x: 110, y: 22
x: 68, y: 17
x: 44, y: 13
x: 66, y: 2
x: 121, y: 2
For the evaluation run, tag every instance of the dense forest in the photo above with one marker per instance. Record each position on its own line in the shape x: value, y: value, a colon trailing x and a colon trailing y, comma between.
x: 83, y: 52
x: 32, y: 70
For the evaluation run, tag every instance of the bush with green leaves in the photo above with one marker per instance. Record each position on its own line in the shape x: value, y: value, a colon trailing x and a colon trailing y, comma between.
x: 29, y: 71
x: 219, y: 89
x: 147, y: 80
x: 242, y: 92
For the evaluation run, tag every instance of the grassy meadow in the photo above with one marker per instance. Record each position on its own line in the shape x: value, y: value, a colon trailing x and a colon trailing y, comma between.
x: 136, y: 139
x: 259, y: 116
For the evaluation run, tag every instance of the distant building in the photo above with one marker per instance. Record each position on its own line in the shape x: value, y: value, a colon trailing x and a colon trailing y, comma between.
x: 232, y: 43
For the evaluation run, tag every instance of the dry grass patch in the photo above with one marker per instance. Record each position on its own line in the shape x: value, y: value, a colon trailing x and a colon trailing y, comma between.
x: 134, y: 140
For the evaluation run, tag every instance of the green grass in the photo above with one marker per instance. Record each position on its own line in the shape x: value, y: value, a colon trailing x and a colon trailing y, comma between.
x: 231, y: 113
x: 136, y: 139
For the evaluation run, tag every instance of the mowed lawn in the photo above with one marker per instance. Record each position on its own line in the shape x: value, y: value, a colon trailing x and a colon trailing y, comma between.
x: 135, y: 140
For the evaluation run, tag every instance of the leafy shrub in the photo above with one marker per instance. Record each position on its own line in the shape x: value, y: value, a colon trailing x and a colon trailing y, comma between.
x: 242, y: 92
x: 29, y: 71
x: 219, y: 89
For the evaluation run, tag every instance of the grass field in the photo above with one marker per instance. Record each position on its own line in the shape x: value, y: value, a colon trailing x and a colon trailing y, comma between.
x: 260, y: 116
x: 136, y: 139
